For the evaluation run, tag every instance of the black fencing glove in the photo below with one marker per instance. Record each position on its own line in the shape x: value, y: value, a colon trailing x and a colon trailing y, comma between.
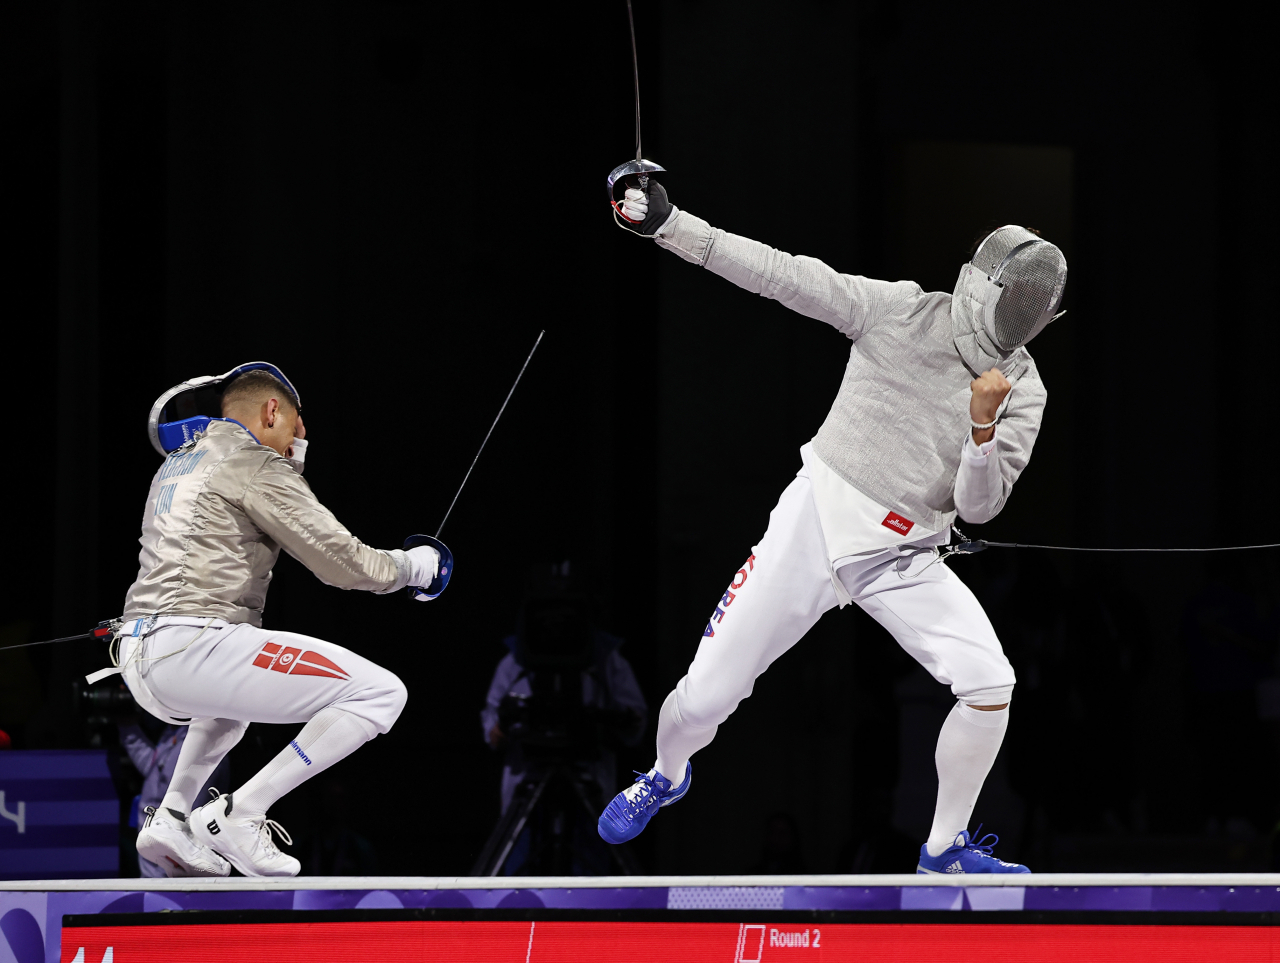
x: 643, y: 211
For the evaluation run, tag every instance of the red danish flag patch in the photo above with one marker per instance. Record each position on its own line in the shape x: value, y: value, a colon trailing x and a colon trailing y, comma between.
x: 899, y: 524
x: 279, y: 658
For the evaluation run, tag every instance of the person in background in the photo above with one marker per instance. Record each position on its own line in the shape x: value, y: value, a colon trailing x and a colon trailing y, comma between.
x: 608, y: 682
x: 562, y: 701
x: 153, y: 748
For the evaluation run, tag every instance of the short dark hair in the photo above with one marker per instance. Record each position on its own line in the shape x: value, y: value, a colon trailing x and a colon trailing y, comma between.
x: 256, y: 386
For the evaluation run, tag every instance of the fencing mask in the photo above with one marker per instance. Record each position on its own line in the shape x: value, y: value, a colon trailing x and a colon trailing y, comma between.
x: 1017, y: 278
x: 188, y: 408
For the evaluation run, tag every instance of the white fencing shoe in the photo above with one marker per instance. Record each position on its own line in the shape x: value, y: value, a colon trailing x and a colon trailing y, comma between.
x: 166, y: 840
x: 246, y: 843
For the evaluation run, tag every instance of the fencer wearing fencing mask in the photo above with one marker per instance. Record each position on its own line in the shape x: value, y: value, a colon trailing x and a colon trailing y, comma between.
x: 935, y: 419
x: 1013, y: 286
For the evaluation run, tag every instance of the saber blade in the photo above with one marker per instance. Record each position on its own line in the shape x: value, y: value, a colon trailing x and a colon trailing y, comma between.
x: 65, y: 638
x: 635, y: 73
x: 639, y: 168
x: 101, y: 631
x: 491, y: 427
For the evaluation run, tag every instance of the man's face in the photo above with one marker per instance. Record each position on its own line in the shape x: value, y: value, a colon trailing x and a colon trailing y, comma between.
x: 290, y: 421
x: 278, y: 424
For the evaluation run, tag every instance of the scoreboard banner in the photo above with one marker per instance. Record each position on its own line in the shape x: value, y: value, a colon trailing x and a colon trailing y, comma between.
x: 567, y: 941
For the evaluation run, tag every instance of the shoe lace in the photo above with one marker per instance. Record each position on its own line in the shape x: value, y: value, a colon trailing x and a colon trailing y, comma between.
x: 640, y: 792
x: 269, y: 844
x: 150, y: 811
x: 979, y: 845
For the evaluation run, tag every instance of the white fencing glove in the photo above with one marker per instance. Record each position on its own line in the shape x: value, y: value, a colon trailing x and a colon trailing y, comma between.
x: 298, y: 454
x: 644, y: 211
x: 424, y: 565
x: 635, y: 205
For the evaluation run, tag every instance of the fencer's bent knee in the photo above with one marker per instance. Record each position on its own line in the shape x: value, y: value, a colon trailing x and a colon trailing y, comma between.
x: 398, y: 696
x: 379, y: 702
x: 988, y: 683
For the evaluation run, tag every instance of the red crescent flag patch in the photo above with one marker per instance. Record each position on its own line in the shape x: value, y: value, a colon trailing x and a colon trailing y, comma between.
x: 296, y: 662
x: 899, y: 524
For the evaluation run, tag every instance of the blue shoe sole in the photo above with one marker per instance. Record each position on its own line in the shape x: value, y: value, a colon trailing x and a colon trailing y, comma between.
x: 605, y: 829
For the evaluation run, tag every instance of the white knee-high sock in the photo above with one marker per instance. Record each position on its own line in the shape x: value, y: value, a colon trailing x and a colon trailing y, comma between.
x: 677, y: 740
x: 331, y: 735
x: 967, y: 748
x: 207, y: 742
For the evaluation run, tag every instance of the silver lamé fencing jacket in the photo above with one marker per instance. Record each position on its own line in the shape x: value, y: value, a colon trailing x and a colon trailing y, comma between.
x: 898, y: 424
x: 218, y: 513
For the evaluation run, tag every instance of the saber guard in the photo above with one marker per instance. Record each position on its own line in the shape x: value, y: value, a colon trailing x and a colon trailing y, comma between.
x: 441, y: 581
x: 641, y: 169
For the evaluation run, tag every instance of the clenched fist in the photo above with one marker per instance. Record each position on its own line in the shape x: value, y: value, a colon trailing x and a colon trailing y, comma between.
x: 644, y: 210
x: 988, y: 391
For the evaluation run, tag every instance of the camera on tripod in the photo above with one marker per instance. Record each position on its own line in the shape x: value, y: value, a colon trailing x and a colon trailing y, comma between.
x: 567, y: 701
x: 109, y: 699
x: 553, y: 721
x: 554, y: 650
x: 100, y: 707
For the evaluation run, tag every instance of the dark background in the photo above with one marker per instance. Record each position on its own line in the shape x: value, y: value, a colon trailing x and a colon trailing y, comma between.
x: 390, y: 200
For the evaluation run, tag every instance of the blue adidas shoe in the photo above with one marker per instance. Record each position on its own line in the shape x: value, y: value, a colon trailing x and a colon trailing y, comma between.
x: 630, y: 811
x: 967, y: 856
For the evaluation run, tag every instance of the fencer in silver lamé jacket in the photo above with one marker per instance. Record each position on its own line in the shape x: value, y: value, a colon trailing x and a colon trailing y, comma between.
x: 217, y: 515
x: 899, y: 422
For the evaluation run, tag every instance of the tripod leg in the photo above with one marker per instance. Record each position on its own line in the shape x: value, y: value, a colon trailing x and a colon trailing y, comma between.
x: 508, y: 829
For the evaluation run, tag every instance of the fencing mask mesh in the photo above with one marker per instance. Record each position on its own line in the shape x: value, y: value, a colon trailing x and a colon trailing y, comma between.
x: 1031, y: 274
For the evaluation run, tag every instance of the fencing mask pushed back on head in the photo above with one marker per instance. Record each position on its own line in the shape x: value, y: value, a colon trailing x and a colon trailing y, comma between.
x: 186, y: 409
x: 1025, y: 277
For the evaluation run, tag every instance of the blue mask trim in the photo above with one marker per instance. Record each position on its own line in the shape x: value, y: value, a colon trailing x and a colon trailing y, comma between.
x: 174, y: 434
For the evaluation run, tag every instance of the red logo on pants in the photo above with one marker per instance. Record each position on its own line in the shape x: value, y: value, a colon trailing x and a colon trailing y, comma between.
x: 293, y: 661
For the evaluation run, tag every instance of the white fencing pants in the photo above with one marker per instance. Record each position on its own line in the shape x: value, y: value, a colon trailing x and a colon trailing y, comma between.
x: 182, y: 670
x: 218, y: 677
x: 785, y: 587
